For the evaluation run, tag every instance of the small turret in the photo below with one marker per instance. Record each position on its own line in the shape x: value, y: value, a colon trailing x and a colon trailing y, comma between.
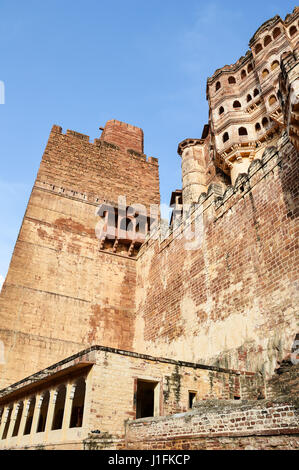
x: 123, y: 135
x: 194, y: 169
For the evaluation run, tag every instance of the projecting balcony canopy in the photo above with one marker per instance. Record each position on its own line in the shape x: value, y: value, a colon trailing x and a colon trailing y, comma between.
x: 46, y: 377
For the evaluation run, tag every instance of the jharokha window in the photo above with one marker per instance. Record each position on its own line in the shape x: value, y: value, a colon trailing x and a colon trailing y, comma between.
x: 243, y: 131
x: 274, y: 65
x: 293, y: 30
x: 225, y: 137
x: 267, y: 40
x: 276, y: 33
x: 258, y: 48
x: 272, y: 100
x: 236, y: 104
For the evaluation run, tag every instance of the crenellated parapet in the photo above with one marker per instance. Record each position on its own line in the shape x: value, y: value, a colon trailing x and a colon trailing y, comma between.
x: 216, y: 201
x: 116, y: 135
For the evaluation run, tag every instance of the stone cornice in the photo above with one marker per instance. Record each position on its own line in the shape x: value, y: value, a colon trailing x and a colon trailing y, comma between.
x: 231, y: 68
x: 189, y: 143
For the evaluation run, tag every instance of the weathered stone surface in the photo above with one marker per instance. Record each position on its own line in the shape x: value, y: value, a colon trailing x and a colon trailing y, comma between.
x: 212, y: 315
x: 62, y: 293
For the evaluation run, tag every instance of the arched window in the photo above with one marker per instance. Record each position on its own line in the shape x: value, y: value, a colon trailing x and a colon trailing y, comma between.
x: 218, y: 85
x: 292, y: 30
x: 265, y: 122
x: 249, y: 98
x: 272, y: 100
x: 225, y: 137
x: 258, y: 48
x: 78, y: 404
x: 265, y: 73
x: 249, y: 68
x: 243, y: 74
x: 274, y: 64
x: 221, y: 110
x: 276, y: 33
x: 236, y: 104
x: 59, y: 408
x: 267, y: 40
x: 256, y: 92
x: 231, y: 80
x: 257, y: 127
x: 242, y: 131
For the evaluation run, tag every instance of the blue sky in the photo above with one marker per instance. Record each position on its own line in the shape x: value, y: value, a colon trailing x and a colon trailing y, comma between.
x: 79, y: 63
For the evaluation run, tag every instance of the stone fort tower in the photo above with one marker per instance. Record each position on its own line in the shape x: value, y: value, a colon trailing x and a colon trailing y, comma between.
x: 227, y: 306
x: 65, y: 289
x: 94, y: 291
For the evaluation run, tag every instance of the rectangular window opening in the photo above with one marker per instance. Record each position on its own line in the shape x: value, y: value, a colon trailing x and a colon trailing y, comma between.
x: 146, y: 399
x: 192, y: 398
